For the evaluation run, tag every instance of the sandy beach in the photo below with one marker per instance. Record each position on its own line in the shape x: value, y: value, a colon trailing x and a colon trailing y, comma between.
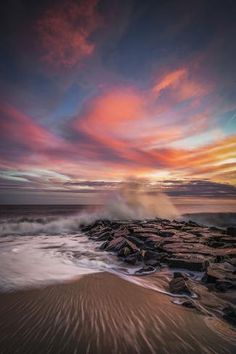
x: 102, y: 313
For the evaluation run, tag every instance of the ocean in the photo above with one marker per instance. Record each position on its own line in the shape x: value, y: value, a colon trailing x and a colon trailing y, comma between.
x: 42, y: 244
x: 60, y: 293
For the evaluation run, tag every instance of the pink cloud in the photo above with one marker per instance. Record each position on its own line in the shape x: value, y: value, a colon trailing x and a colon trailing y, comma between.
x: 64, y: 32
x: 20, y: 128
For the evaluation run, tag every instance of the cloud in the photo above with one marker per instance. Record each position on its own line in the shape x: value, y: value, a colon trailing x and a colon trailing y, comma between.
x: 119, y: 132
x: 170, y: 80
x: 20, y: 129
x: 64, y: 32
x: 182, y: 85
x: 199, y: 188
x: 125, y: 127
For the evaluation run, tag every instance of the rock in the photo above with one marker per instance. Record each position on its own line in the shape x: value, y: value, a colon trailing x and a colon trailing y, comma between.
x: 145, y: 270
x: 182, y: 247
x: 233, y: 261
x: 215, y: 244
x: 224, y: 285
x: 152, y: 262
x: 149, y: 254
x: 220, y: 277
x: 103, y: 236
x: 136, y: 241
x: 179, y: 275
x: 231, y: 231
x: 220, y: 271
x: 189, y: 304
x: 120, y: 242
x: 132, y: 258
x: 124, y: 252
x: 178, y: 285
x: 132, y: 246
x: 229, y: 314
x: 116, y: 244
x: 166, y: 233
x: 192, y: 262
x: 104, y: 245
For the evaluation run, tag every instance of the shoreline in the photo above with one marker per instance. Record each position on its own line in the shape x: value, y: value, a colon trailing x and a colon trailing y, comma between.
x: 103, y: 313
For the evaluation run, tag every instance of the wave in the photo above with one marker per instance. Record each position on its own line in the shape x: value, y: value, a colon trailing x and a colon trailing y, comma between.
x: 127, y: 204
x: 62, y: 225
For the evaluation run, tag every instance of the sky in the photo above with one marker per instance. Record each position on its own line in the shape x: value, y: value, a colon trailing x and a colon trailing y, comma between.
x: 95, y: 92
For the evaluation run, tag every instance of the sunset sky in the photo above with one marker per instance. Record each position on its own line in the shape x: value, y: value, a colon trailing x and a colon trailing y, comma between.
x: 97, y: 91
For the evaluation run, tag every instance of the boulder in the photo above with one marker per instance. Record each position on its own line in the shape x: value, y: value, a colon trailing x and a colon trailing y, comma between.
x: 223, y: 275
x: 192, y: 262
x: 152, y: 262
x: 224, y: 285
x: 104, y: 245
x: 118, y: 243
x: 229, y: 314
x: 136, y: 241
x: 124, y: 252
x: 149, y: 254
x: 231, y: 231
x: 178, y: 285
x: 133, y: 258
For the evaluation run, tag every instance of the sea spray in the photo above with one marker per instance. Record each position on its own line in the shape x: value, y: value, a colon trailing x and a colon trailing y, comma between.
x: 133, y: 200
x: 127, y: 203
x: 132, y: 204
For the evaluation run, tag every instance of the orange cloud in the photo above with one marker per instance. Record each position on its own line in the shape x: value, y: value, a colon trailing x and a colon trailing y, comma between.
x: 183, y: 86
x: 109, y: 115
x: 169, y: 80
x: 124, y: 125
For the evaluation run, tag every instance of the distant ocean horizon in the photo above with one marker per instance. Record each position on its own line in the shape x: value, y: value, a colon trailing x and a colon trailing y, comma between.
x: 209, y: 213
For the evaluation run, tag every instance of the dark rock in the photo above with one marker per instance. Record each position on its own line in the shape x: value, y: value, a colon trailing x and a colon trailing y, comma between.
x: 219, y: 259
x: 215, y: 244
x: 233, y: 261
x: 178, y: 285
x: 193, y: 262
x: 120, y: 242
x: 224, y: 285
x: 132, y: 258
x: 149, y: 254
x: 152, y: 262
x: 166, y: 233
x: 189, y: 304
x: 124, y: 252
x: 229, y: 314
x: 179, y: 275
x: 181, y: 247
x: 104, y: 245
x: 116, y: 244
x: 231, y: 231
x: 220, y: 271
x: 103, y: 236
x: 135, y: 240
x: 145, y: 270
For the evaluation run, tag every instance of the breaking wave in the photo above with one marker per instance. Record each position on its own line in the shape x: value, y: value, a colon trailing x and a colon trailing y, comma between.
x: 131, y: 202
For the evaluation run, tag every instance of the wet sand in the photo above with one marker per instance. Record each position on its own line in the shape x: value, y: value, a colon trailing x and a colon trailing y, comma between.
x: 102, y: 313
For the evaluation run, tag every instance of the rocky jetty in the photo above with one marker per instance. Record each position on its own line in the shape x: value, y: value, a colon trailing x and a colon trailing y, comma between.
x: 183, y: 247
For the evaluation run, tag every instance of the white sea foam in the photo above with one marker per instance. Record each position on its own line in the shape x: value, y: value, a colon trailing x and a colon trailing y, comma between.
x: 37, y: 260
